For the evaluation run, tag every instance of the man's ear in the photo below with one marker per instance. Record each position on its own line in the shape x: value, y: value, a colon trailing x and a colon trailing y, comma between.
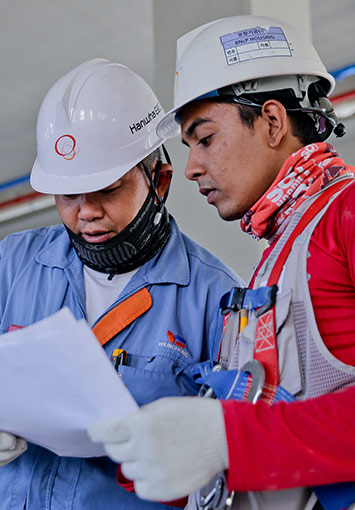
x: 166, y: 173
x: 274, y: 113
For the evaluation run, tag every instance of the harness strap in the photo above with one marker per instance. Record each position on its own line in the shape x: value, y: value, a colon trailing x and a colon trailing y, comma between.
x: 265, y: 349
x: 309, y: 215
x: 332, y: 497
x: 236, y: 384
x: 122, y: 315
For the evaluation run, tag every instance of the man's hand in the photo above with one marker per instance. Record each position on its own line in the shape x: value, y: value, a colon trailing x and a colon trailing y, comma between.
x: 11, y: 447
x: 169, y: 447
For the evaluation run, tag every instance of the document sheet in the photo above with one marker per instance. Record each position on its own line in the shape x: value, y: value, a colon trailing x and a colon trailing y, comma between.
x: 55, y: 380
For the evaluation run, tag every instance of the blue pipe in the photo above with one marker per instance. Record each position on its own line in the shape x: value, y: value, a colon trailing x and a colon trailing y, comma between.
x: 15, y: 182
x: 343, y: 72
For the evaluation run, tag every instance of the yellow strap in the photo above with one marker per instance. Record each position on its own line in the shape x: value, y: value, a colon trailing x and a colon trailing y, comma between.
x: 122, y: 315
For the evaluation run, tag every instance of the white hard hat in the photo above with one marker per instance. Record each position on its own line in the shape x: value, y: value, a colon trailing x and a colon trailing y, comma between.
x: 94, y: 125
x: 263, y: 53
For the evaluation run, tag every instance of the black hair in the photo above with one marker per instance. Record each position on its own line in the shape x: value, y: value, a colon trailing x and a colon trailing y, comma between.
x: 303, y: 127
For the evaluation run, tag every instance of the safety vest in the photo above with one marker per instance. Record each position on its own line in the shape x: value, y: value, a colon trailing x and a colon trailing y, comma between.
x: 282, y: 334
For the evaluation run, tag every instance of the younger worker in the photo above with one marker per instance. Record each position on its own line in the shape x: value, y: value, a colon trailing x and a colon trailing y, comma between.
x: 251, y: 102
x: 119, y: 261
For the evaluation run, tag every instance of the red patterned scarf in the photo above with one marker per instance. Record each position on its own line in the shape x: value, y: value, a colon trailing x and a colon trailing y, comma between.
x: 303, y: 174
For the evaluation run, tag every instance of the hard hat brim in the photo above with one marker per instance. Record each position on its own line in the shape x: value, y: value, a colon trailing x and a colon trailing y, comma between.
x: 168, y: 127
x: 43, y: 182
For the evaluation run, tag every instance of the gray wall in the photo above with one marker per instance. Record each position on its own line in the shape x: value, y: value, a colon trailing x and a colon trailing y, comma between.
x: 41, y: 40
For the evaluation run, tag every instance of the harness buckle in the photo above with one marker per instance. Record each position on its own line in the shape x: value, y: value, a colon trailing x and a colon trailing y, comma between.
x: 259, y: 300
x: 233, y: 300
x: 271, y: 296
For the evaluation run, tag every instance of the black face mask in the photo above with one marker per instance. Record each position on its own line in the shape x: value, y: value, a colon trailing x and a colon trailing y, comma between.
x: 143, y: 238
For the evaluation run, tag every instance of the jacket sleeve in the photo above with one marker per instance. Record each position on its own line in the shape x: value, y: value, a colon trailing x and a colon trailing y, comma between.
x: 296, y: 444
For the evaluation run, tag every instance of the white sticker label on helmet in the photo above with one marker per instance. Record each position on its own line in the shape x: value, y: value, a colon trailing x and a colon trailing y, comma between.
x: 255, y: 43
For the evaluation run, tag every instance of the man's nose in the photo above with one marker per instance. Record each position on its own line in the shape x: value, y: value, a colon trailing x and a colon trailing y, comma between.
x: 194, y: 168
x: 90, y: 207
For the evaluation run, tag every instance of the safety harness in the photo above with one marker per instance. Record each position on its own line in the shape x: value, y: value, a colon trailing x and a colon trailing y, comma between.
x: 260, y: 377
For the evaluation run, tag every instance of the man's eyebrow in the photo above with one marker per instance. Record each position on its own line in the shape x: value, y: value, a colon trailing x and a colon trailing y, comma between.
x: 190, y: 130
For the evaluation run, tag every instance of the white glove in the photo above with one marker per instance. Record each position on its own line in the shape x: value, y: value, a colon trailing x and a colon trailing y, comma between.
x: 11, y: 447
x: 169, y: 448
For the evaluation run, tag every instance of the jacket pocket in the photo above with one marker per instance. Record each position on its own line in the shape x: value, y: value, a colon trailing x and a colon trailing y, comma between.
x: 157, y: 376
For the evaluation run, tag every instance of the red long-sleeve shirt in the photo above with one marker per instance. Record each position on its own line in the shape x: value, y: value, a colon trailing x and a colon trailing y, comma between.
x: 310, y: 442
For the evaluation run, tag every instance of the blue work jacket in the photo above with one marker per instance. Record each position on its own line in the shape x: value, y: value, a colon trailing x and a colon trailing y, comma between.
x: 40, y: 273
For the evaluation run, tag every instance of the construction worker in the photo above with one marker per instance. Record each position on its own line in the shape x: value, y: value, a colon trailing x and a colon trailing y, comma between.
x: 251, y: 102
x: 119, y: 261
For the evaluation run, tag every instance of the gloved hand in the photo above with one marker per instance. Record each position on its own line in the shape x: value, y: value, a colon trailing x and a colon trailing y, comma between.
x: 11, y: 447
x: 169, y: 447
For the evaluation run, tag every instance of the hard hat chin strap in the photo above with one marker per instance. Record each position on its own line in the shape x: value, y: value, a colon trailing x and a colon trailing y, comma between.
x: 324, y: 111
x: 154, y: 183
x: 139, y: 242
x: 319, y: 107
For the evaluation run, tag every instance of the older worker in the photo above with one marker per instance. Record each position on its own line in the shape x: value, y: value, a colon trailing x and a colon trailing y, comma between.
x: 119, y: 261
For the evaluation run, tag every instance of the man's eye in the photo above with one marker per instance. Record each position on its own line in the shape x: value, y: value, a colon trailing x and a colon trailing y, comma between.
x: 108, y: 191
x: 205, y: 140
x: 70, y: 196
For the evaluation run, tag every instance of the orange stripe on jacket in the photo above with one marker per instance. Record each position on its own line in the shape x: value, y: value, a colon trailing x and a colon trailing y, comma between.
x: 122, y: 315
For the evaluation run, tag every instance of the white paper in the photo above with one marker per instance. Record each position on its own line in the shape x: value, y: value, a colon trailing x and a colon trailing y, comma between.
x: 55, y: 380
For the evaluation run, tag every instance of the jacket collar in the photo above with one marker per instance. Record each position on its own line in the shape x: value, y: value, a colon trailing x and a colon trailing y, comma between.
x: 58, y: 251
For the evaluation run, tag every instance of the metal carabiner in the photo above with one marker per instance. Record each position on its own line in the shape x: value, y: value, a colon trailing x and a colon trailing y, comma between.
x: 257, y: 372
x: 215, y: 495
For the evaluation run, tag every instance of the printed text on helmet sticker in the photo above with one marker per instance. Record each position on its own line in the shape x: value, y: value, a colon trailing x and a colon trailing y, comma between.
x: 255, y: 43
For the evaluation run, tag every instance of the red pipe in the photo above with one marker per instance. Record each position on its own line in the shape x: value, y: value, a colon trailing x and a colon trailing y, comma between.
x: 343, y: 97
x: 17, y: 200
